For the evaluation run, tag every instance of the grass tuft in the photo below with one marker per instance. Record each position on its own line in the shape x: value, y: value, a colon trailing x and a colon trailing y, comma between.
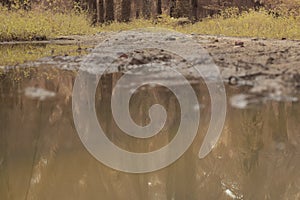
x: 39, y: 25
x: 262, y: 24
x: 36, y: 24
x: 251, y: 23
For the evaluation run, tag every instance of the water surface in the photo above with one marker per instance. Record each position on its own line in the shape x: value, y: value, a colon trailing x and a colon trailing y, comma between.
x: 42, y: 157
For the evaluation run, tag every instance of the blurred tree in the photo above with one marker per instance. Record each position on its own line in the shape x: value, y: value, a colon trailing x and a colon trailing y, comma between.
x: 109, y: 10
x: 183, y: 8
x: 125, y: 10
x: 172, y: 8
x: 194, y: 4
x: 146, y: 9
x: 100, y: 11
x: 159, y: 9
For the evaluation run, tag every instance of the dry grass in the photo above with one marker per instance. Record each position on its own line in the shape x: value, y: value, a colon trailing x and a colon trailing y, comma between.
x: 30, y: 25
x: 250, y: 24
x: 230, y: 23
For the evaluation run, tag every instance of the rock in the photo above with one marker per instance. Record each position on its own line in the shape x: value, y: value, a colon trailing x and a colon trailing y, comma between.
x: 170, y: 38
x: 262, y: 44
x: 39, y: 38
x: 233, y: 80
x: 123, y: 56
x: 270, y: 60
x: 138, y: 59
x: 239, y: 43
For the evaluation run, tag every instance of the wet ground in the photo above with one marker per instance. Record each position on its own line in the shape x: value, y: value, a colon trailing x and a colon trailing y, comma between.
x: 269, y: 67
x: 256, y: 157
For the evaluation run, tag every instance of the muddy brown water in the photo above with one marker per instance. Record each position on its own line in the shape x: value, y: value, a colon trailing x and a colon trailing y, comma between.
x: 42, y: 157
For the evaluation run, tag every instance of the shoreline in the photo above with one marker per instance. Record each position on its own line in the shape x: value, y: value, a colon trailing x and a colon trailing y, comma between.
x: 268, y: 66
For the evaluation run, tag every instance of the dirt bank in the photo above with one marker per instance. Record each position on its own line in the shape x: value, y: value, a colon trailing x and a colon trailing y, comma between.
x: 269, y: 67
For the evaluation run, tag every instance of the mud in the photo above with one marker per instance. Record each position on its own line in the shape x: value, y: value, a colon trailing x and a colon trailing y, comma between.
x: 269, y: 67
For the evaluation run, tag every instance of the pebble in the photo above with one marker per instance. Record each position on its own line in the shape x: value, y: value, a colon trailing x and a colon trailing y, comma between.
x: 239, y: 43
x: 170, y: 38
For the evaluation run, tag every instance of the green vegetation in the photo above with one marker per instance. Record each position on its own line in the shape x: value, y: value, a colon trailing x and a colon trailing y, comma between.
x: 19, y: 24
x: 18, y: 54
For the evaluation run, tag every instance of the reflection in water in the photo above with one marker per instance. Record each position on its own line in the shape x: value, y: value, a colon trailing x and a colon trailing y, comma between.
x: 41, y: 156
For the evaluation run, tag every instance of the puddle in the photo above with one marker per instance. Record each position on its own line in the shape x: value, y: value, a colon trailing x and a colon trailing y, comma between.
x: 42, y: 157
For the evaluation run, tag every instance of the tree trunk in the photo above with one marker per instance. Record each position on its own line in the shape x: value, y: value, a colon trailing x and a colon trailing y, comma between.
x: 100, y: 11
x: 109, y: 11
x: 194, y: 15
x: 165, y: 7
x: 159, y: 9
x: 173, y: 8
x: 183, y: 8
x: 137, y: 8
x: 146, y: 9
x: 125, y: 10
